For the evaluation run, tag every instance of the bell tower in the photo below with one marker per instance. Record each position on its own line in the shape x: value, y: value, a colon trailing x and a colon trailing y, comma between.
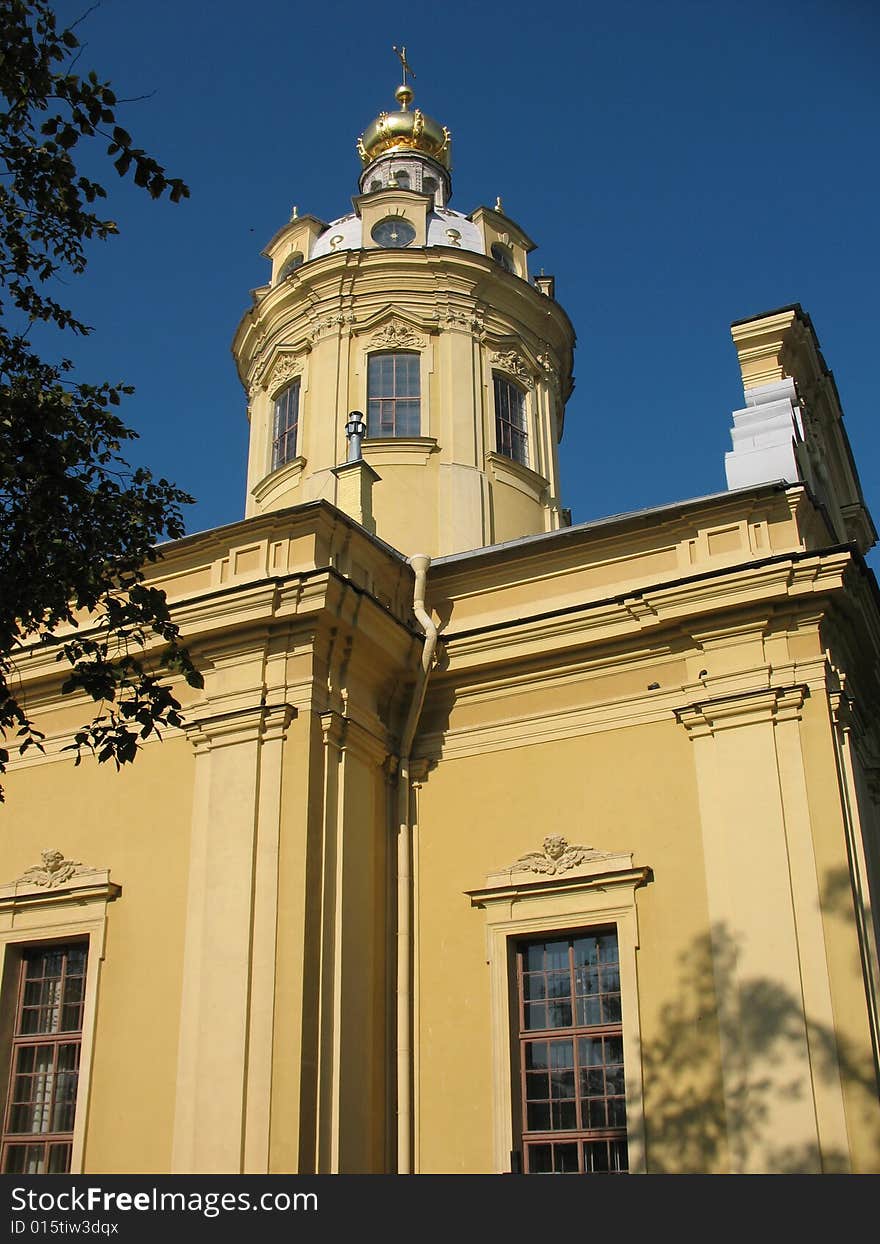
x: 422, y: 322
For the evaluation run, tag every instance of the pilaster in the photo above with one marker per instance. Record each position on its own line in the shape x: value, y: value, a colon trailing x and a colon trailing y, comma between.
x: 224, y: 1060
x: 349, y: 1135
x: 771, y: 974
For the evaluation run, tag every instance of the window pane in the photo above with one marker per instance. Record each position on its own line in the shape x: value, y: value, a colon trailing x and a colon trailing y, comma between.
x: 284, y: 447
x: 536, y: 1015
x: 564, y: 1116
x: 393, y: 395
x: 538, y: 1116
x: 536, y: 1055
x: 539, y: 1160
x: 534, y: 987
x: 510, y: 421
x: 59, y: 1159
x: 565, y: 1159
x: 43, y: 1075
x: 573, y: 1081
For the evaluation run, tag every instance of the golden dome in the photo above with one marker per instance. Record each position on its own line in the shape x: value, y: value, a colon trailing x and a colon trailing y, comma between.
x: 405, y: 131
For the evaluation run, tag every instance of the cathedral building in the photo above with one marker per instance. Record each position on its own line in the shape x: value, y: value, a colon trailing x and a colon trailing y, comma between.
x: 493, y: 843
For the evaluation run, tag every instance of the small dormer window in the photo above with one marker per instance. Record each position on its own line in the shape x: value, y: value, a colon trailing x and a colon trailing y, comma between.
x: 291, y: 263
x: 503, y: 256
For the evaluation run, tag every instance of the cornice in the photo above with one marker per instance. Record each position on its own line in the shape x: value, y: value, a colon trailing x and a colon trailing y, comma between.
x: 344, y: 733
x: 674, y: 603
x: 773, y: 704
x: 57, y: 882
x: 209, y: 727
x: 348, y: 291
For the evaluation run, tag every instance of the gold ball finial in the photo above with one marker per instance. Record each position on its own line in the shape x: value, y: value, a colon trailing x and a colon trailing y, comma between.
x: 404, y: 95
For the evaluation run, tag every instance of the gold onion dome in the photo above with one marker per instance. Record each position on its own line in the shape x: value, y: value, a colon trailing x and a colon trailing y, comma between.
x: 405, y: 131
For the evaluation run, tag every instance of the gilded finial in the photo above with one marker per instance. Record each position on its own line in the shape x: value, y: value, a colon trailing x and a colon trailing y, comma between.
x: 404, y: 93
x: 401, y: 56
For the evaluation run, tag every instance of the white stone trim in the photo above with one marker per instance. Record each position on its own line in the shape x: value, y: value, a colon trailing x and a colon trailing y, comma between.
x: 598, y: 891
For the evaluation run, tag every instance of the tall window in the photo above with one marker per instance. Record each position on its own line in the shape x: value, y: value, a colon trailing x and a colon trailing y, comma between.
x: 571, y: 1055
x: 284, y: 436
x: 41, y: 1102
x: 511, y: 436
x: 393, y: 388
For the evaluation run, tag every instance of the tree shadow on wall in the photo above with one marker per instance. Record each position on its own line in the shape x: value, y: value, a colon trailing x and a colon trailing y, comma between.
x: 692, y: 1125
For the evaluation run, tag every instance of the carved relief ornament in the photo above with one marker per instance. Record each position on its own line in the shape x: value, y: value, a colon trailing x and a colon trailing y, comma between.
x: 557, y: 856
x: 287, y: 366
x: 395, y: 335
x: 511, y: 361
x: 53, y: 871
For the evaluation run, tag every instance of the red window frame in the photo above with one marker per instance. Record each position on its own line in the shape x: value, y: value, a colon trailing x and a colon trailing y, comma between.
x: 570, y: 1048
x: 44, y: 1060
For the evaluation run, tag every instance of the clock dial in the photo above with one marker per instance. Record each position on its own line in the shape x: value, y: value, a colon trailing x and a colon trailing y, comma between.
x: 393, y: 231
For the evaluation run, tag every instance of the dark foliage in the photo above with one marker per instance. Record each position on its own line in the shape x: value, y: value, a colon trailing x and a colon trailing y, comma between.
x: 77, y: 524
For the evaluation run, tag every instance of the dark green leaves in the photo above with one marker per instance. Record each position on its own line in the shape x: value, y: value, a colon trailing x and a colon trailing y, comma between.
x: 77, y: 524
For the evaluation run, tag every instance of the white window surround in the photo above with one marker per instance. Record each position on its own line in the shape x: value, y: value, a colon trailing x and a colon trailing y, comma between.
x: 64, y: 902
x: 562, y: 889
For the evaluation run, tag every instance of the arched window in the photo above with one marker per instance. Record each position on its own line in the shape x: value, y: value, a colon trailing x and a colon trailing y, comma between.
x: 429, y: 185
x: 402, y: 176
x: 511, y: 437
x: 502, y: 255
x: 375, y: 185
x: 291, y: 263
x: 393, y: 395
x: 286, y: 425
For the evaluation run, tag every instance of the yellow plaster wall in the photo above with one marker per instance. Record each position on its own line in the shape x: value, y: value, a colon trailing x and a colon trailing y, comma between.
x: 624, y: 790
x: 136, y: 823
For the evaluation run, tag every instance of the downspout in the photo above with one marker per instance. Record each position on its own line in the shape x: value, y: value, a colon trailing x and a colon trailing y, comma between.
x: 420, y: 563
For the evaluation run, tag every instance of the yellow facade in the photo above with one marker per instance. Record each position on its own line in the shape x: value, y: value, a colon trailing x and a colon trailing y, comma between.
x: 440, y: 725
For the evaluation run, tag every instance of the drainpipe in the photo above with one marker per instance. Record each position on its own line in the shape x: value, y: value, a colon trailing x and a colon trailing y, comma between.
x: 420, y: 563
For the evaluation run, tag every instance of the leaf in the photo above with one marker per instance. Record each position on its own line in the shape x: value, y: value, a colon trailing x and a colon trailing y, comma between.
x: 77, y: 524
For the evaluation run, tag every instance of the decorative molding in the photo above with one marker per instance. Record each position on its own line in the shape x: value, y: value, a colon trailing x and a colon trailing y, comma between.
x: 327, y: 323
x: 526, y: 480
x: 59, y: 901
x: 599, y: 892
x: 399, y: 450
x: 397, y: 334
x: 559, y: 866
x: 548, y: 366
x: 53, y: 871
x: 207, y: 729
x: 285, y: 369
x: 512, y: 361
x: 743, y: 708
x: 455, y: 317
x: 557, y: 855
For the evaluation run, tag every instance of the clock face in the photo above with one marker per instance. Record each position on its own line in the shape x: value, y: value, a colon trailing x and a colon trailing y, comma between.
x: 393, y: 231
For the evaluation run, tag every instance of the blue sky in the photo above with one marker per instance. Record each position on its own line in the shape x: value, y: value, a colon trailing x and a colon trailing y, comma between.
x: 680, y: 165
